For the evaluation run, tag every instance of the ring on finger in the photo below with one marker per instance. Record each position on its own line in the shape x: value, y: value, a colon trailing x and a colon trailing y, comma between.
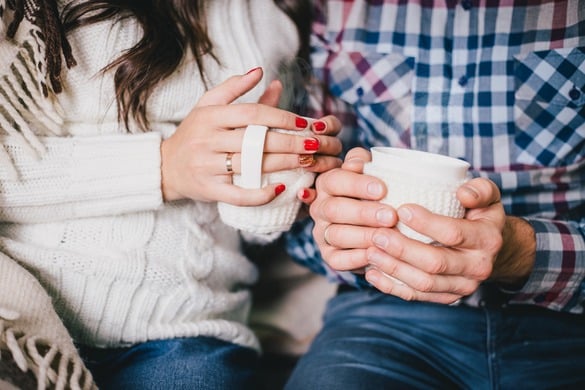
x: 325, y: 233
x: 229, y: 167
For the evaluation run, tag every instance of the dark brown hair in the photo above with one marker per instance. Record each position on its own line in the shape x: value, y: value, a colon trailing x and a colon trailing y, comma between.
x: 171, y: 28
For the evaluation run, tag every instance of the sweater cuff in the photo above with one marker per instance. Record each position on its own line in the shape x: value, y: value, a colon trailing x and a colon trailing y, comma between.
x: 84, y: 177
x: 120, y: 173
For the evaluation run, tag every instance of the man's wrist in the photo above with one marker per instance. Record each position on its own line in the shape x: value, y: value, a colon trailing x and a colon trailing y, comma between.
x: 515, y: 260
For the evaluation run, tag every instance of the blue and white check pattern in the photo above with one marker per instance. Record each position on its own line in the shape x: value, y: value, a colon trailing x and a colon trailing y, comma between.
x: 501, y: 86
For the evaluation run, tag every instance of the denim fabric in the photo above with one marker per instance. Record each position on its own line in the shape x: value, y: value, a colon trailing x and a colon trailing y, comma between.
x: 188, y: 363
x: 374, y: 341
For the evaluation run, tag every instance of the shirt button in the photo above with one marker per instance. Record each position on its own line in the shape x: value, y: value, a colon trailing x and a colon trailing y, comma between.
x: 359, y: 91
x: 463, y: 81
x: 467, y: 4
x: 574, y: 93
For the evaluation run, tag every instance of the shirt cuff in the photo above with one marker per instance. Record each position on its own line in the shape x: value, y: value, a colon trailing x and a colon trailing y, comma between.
x: 559, y: 267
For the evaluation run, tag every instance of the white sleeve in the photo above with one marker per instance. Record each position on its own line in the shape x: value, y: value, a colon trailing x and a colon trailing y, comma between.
x: 80, y: 177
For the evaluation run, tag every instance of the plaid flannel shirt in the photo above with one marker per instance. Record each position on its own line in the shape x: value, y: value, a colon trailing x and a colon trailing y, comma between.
x: 498, y: 84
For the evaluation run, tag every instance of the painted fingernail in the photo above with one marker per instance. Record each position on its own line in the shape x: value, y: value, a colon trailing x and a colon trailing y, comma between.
x: 319, y: 126
x: 405, y: 214
x: 306, y: 194
x: 279, y: 189
x: 311, y: 144
x: 301, y: 123
x: 253, y: 69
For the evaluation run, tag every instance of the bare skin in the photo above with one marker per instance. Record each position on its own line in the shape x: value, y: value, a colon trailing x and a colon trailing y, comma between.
x: 485, y: 244
x: 193, y: 158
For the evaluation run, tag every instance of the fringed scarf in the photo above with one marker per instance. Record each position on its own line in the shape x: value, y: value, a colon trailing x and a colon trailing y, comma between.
x: 32, y: 45
x: 32, y: 48
x: 32, y: 335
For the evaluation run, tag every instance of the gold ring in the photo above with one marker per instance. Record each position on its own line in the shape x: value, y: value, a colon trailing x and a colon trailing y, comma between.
x: 325, y: 235
x: 228, y: 163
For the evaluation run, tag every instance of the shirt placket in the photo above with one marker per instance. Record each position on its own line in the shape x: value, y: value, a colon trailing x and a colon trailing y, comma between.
x: 461, y: 109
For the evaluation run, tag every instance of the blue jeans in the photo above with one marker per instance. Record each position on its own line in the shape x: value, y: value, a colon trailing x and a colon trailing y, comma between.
x: 374, y: 341
x: 185, y: 363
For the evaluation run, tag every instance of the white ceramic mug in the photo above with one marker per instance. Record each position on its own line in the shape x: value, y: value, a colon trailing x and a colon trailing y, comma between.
x: 427, y: 179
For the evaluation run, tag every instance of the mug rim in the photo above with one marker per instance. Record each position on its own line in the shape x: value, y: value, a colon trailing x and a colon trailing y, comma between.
x: 419, y: 162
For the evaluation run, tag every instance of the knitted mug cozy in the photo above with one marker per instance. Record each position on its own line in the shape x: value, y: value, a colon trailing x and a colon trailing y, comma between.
x: 427, y: 179
x: 277, y: 216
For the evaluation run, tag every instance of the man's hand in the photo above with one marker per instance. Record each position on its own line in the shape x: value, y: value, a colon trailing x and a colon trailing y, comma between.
x: 356, y: 232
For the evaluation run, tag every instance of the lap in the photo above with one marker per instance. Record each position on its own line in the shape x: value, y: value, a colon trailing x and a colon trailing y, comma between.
x: 184, y: 363
x: 371, y: 339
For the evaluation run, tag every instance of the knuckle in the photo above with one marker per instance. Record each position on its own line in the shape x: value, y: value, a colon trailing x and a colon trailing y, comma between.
x: 248, y: 112
x: 336, y: 260
x: 471, y: 288
x: 320, y: 183
x: 386, y: 287
x: 425, y: 284
x: 391, y: 268
x: 314, y: 211
x: 484, y: 270
x: 495, y: 242
x: 408, y: 295
x: 237, y: 197
x: 437, y: 266
x: 454, y: 237
x: 466, y: 288
x: 329, y: 209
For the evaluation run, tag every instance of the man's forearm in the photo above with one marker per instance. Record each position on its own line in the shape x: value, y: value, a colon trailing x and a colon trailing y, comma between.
x: 516, y: 258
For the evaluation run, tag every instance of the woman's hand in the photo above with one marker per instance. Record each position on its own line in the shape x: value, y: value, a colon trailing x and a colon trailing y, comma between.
x: 194, y: 157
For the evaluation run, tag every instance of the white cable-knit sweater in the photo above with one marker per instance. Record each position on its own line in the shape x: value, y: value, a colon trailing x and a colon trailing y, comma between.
x: 81, y: 204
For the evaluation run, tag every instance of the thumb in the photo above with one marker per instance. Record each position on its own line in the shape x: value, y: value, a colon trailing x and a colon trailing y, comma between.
x: 231, y: 89
x: 478, y: 193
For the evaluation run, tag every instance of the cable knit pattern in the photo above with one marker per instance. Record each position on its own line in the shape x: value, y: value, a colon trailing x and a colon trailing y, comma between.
x: 86, y: 217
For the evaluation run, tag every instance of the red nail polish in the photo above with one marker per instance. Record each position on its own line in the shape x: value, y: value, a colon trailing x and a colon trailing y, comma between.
x: 306, y: 194
x: 301, y: 123
x: 279, y: 189
x: 319, y: 126
x: 311, y: 144
x: 253, y: 69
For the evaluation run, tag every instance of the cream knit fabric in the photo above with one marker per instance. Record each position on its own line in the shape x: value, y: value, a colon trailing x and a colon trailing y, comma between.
x: 33, y: 334
x: 85, y: 214
x: 436, y: 195
x: 266, y: 222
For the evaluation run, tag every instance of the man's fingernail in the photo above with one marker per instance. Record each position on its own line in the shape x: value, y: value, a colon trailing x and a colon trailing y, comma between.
x: 372, y: 277
x: 471, y: 191
x: 380, y: 241
x: 405, y: 214
x: 385, y: 216
x: 375, y: 189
